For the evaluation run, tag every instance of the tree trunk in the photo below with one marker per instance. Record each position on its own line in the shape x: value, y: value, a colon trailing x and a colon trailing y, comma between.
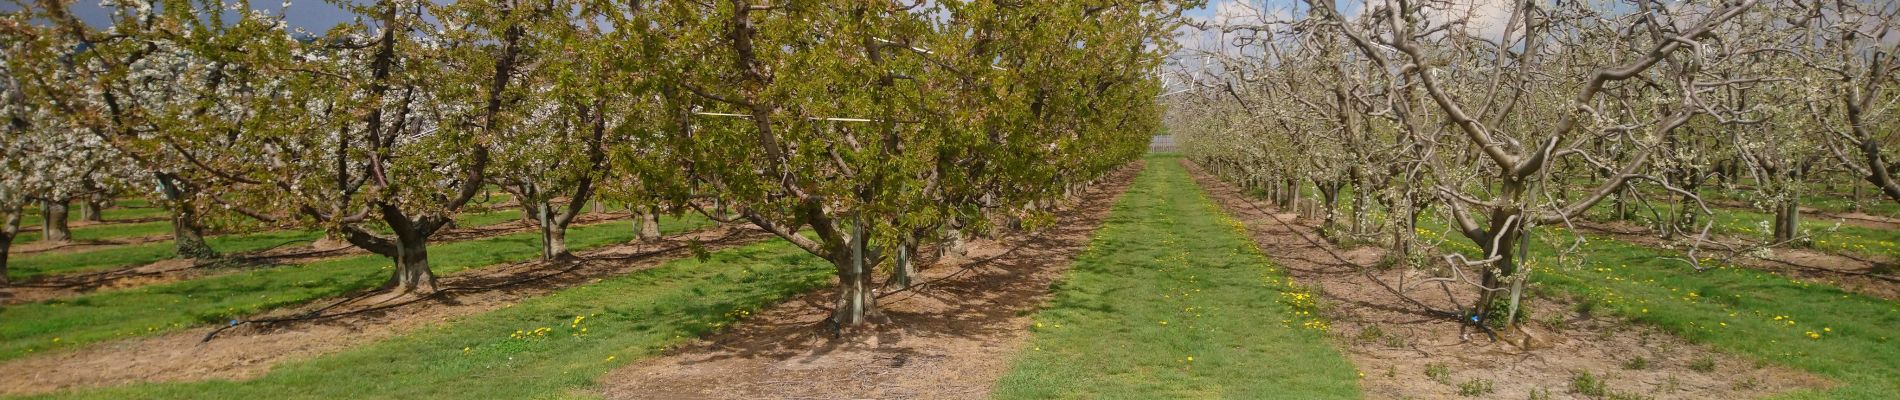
x: 188, y: 239
x: 412, y: 273
x: 1289, y: 193
x: 1359, y: 209
x: 953, y: 242
x: 1686, y: 218
x: 1504, y: 268
x: 1787, y: 214
x: 6, y: 247
x: 10, y: 228
x: 905, y: 269
x: 857, y: 303
x: 1622, y: 208
x: 553, y: 233
x: 187, y: 235
x: 89, y: 211
x: 1329, y: 194
x: 53, y: 227
x: 650, y: 224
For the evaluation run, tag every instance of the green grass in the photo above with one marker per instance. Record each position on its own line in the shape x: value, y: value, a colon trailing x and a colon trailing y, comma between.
x: 161, y: 308
x: 43, y: 264
x: 1756, y: 225
x: 1172, y: 300
x: 625, y: 319
x: 106, y: 231
x: 1736, y: 310
x: 37, y: 265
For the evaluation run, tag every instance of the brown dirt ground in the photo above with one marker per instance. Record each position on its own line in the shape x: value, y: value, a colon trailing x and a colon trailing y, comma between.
x: 177, y: 270
x: 1872, y: 277
x: 251, y: 349
x: 950, y: 338
x: 1394, y: 342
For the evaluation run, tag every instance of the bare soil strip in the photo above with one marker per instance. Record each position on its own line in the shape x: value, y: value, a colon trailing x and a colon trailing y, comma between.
x: 250, y: 350
x: 175, y: 270
x: 950, y: 338
x: 1872, y: 277
x: 1395, y: 344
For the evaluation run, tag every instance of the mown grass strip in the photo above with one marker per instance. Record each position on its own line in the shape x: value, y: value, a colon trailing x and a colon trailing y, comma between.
x: 546, y: 347
x: 41, y: 264
x: 162, y: 308
x: 1172, y: 300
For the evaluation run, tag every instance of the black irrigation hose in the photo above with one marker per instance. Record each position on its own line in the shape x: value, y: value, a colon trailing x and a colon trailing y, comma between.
x: 571, y: 266
x: 1368, y: 273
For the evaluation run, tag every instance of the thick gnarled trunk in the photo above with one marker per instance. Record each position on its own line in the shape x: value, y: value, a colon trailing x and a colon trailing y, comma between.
x: 187, y: 235
x: 554, y: 231
x: 412, y: 267
x: 648, y: 224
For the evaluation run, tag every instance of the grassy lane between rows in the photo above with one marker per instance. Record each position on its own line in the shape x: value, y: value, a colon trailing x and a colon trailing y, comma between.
x: 1845, y: 337
x: 547, y: 347
x: 168, y: 307
x: 41, y: 264
x: 1173, y: 300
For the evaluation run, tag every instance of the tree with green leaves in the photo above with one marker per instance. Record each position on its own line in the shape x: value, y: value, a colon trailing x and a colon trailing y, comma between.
x: 855, y: 130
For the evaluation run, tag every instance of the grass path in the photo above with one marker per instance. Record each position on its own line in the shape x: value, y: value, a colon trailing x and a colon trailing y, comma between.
x: 163, y: 308
x: 1172, y: 300
x: 548, y: 347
